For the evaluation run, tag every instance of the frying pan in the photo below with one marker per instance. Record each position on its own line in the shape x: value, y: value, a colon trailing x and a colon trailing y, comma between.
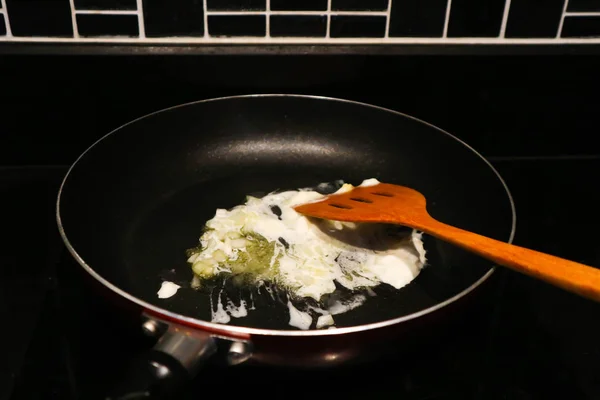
x: 135, y: 200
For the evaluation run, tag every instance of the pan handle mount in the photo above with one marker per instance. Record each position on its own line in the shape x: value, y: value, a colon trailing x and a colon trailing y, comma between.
x: 188, y: 348
x: 176, y: 358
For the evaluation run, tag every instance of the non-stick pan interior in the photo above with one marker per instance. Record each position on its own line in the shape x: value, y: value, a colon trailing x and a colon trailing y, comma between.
x: 136, y: 200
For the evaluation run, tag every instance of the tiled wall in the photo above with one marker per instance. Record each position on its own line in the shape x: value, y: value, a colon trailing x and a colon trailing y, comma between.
x: 268, y: 21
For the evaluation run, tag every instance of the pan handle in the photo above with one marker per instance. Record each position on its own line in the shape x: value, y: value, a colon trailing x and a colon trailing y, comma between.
x: 154, y: 375
x: 164, y: 370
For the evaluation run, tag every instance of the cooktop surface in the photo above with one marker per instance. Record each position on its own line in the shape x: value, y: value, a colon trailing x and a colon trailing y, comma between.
x: 528, y: 341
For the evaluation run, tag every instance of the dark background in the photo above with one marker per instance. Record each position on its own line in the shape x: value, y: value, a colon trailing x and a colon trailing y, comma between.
x: 535, y: 116
x: 53, y: 107
x: 532, y: 110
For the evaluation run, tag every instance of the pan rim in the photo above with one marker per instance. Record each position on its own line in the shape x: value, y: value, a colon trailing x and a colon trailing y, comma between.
x: 240, y: 330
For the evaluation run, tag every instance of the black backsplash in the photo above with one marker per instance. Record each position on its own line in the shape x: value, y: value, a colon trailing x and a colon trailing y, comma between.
x: 475, y: 18
x: 298, y: 5
x: 105, y: 4
x: 359, y: 5
x: 577, y: 27
x: 415, y: 18
x: 235, y: 5
x: 172, y: 19
x: 237, y: 25
x: 55, y: 107
x: 298, y: 26
x: 106, y: 25
x: 408, y: 18
x: 583, y: 5
x: 357, y: 26
x: 40, y: 18
x: 534, y: 18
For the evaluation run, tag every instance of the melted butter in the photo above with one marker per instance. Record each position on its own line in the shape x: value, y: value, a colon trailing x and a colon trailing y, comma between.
x: 218, y: 314
x: 222, y: 314
x: 307, y: 257
x: 299, y: 319
x: 324, y: 320
x: 167, y: 289
x: 369, y: 182
x: 339, y: 307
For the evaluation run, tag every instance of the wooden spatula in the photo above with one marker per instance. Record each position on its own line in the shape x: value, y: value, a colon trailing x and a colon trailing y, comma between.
x: 386, y: 203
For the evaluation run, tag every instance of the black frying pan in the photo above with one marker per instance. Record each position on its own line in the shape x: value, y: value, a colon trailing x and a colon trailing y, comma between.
x: 136, y: 199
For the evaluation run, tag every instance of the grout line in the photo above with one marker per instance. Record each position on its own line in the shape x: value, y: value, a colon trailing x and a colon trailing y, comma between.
x: 388, y: 19
x: 505, y: 18
x: 447, y: 19
x: 205, y: 16
x: 328, y: 32
x: 562, y: 19
x: 350, y: 13
x: 582, y: 14
x: 141, y: 22
x: 109, y: 12
x: 6, y: 21
x: 247, y: 12
x: 268, y: 19
x: 247, y: 40
x: 74, y: 19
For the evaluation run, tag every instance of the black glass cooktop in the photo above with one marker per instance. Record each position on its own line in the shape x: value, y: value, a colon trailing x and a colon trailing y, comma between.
x: 527, y: 341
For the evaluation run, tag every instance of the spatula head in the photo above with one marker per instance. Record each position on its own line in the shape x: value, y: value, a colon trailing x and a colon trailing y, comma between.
x: 383, y: 202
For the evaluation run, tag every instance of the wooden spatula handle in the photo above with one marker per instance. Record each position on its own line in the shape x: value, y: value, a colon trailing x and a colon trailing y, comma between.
x: 574, y: 277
